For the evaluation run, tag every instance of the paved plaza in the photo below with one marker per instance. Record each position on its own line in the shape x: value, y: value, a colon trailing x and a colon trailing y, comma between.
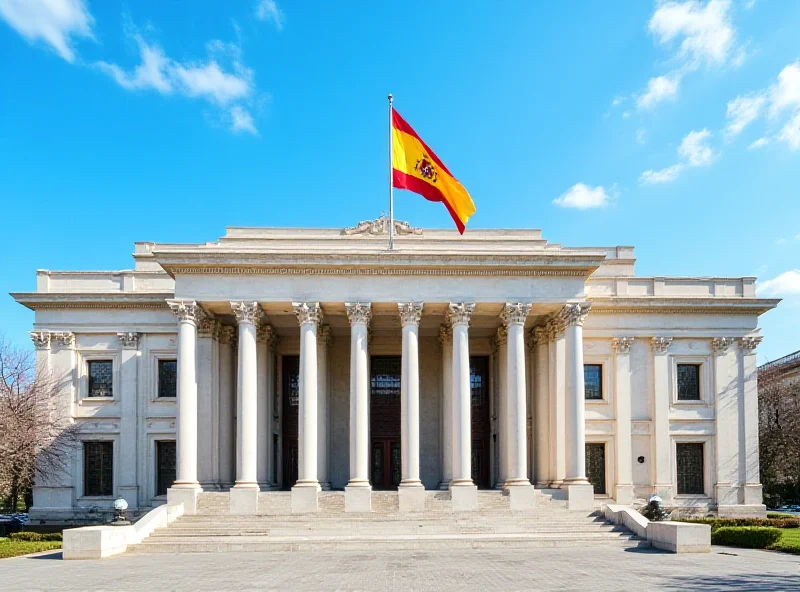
x: 596, y: 569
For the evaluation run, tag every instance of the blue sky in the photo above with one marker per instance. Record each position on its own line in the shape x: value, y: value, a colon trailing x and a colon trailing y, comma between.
x: 670, y: 126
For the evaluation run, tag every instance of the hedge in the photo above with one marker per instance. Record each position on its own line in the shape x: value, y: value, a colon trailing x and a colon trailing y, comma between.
x: 35, y: 537
x: 716, y: 523
x: 750, y: 537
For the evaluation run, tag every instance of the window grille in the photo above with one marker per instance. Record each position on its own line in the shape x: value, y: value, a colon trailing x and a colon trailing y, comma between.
x: 165, y: 465
x: 688, y: 382
x: 167, y: 378
x: 593, y: 381
x: 596, y: 466
x: 689, y: 462
x: 101, y: 378
x: 98, y: 468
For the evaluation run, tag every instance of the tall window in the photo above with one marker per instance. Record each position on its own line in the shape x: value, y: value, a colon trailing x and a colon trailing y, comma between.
x: 385, y: 372
x: 689, y: 462
x: 596, y: 466
x: 101, y: 378
x: 593, y: 381
x: 167, y: 378
x: 688, y: 382
x: 98, y: 468
x: 165, y: 465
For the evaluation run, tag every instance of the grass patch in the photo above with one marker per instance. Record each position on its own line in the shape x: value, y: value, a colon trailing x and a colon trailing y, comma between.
x: 11, y: 548
x: 789, y: 542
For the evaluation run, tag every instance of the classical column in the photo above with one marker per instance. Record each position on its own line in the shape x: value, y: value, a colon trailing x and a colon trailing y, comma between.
x: 749, y: 474
x: 324, y: 340
x: 227, y: 406
x: 412, y: 493
x: 304, y: 493
x: 358, y: 493
x: 513, y: 316
x: 580, y: 492
x: 623, y: 489
x: 446, y: 341
x: 184, y: 489
x: 541, y: 419
x: 129, y: 361
x: 208, y: 401
x: 500, y: 343
x: 463, y: 492
x: 662, y: 445
x: 264, y: 336
x: 726, y: 415
x: 557, y: 383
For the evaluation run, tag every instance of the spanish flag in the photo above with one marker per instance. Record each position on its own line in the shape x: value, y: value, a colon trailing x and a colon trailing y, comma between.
x: 415, y: 167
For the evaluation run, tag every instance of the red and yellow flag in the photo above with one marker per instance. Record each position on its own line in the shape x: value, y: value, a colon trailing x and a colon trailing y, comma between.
x: 415, y: 167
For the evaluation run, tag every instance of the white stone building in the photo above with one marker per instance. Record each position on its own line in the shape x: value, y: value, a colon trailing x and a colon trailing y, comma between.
x: 316, y: 358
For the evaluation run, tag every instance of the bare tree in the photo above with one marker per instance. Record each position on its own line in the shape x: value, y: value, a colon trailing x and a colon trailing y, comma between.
x: 779, y: 430
x: 37, y: 435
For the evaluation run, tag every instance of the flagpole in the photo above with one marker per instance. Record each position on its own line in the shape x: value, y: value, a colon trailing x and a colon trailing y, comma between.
x: 391, y: 193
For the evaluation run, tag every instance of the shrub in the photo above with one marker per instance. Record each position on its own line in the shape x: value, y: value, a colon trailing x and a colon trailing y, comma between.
x: 35, y: 537
x: 750, y: 537
x: 716, y: 523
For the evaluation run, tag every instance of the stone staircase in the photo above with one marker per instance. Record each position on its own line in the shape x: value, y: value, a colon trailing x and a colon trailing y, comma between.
x: 275, y: 528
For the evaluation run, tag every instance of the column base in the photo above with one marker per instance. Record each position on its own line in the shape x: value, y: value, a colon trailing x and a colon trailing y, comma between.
x: 580, y: 496
x: 463, y: 496
x: 130, y: 493
x: 412, y: 497
x: 727, y: 495
x: 520, y: 494
x: 623, y: 495
x: 305, y: 499
x: 243, y: 501
x: 358, y: 498
x: 752, y: 494
x: 186, y: 496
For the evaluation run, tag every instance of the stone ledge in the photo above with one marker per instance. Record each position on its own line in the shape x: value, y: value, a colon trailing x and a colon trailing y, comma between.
x: 676, y: 537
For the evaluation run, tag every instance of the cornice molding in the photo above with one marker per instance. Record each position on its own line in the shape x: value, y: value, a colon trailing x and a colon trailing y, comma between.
x: 376, y: 271
x: 62, y: 300
x: 702, y: 306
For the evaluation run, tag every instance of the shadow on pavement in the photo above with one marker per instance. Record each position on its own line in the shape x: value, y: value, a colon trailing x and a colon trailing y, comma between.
x: 735, y: 582
x: 53, y: 555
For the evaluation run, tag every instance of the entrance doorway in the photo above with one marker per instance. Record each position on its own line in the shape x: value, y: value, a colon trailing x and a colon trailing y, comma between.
x: 384, y: 418
x: 480, y: 418
x: 290, y: 403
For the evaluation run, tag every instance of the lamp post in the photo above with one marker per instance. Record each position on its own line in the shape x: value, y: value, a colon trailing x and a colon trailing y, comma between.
x: 120, y: 505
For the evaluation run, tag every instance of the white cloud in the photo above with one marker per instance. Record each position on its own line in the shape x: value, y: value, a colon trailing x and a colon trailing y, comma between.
x: 694, y: 149
x: 242, y: 121
x: 742, y: 111
x: 582, y: 197
x: 267, y: 10
x: 705, y: 32
x: 221, y: 79
x: 785, y: 94
x: 641, y: 137
x: 786, y: 284
x: 659, y: 89
x: 760, y: 143
x: 663, y: 176
x: 791, y: 132
x: 152, y: 72
x: 55, y: 22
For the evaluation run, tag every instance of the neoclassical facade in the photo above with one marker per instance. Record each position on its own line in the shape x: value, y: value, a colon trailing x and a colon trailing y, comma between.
x: 312, y: 359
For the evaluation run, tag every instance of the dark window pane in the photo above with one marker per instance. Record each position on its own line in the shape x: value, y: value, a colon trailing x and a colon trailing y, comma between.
x: 98, y: 468
x: 596, y: 467
x: 167, y: 378
x: 294, y: 385
x: 100, y: 378
x: 593, y: 381
x: 689, y: 461
x: 477, y: 384
x: 688, y: 382
x: 385, y: 376
x: 165, y: 465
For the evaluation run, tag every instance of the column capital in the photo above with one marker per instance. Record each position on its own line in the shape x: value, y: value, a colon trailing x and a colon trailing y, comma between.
x: 208, y: 326
x: 226, y: 334
x: 500, y: 336
x: 748, y: 345
x: 720, y: 345
x: 307, y: 312
x: 574, y: 314
x: 359, y: 313
x: 410, y: 312
x: 460, y: 313
x: 554, y: 327
x: 41, y: 339
x: 622, y: 345
x: 445, y: 335
x: 540, y: 336
x: 660, y: 345
x: 246, y: 312
x: 515, y: 313
x: 63, y: 338
x: 324, y: 336
x: 128, y: 340
x: 186, y: 310
x: 265, y: 334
